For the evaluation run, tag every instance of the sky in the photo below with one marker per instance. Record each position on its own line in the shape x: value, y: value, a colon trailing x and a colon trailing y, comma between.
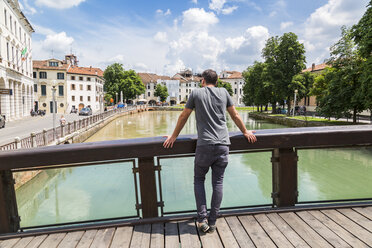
x: 165, y: 36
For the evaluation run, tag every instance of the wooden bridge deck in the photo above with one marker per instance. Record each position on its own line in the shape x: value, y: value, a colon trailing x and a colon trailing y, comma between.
x: 344, y: 227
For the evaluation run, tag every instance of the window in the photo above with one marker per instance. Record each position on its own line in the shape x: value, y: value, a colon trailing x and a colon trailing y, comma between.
x: 149, y: 94
x: 240, y: 91
x: 35, y: 87
x: 61, y: 105
x: 15, y: 28
x: 60, y: 75
x: 73, y: 98
x: 81, y: 87
x: 7, y: 50
x: 88, y: 98
x: 88, y: 79
x: 148, y: 86
x: 235, y: 83
x: 72, y: 77
x: 53, y: 64
x: 96, y: 98
x: 235, y: 91
x: 20, y: 33
x: 44, y: 105
x: 13, y: 54
x: 81, y: 78
x: 43, y: 90
x: 34, y: 74
x: 81, y: 98
x: 6, y: 21
x: 89, y: 88
x: 60, y: 90
x: 11, y: 26
x: 43, y: 74
x: 72, y: 86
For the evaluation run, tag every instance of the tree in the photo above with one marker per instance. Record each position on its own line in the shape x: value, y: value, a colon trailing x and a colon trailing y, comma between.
x: 303, y: 82
x: 119, y: 80
x: 161, y: 91
x: 227, y: 86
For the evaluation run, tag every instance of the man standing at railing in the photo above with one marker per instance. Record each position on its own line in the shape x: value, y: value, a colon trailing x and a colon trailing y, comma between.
x: 210, y: 104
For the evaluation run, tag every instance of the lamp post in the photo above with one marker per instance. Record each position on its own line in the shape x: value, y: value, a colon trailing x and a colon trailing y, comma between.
x: 116, y: 98
x: 54, y: 107
x: 294, y: 106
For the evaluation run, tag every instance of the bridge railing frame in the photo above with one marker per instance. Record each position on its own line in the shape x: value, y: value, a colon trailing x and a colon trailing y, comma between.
x: 283, y: 143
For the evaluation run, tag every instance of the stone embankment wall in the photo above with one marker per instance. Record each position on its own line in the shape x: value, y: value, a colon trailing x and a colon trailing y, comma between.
x: 287, y: 121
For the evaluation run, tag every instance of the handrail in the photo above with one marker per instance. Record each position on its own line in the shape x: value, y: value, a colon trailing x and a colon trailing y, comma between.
x: 282, y: 142
x: 308, y: 137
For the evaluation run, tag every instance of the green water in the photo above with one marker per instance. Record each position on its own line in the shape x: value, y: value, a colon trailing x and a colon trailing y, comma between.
x: 107, y: 191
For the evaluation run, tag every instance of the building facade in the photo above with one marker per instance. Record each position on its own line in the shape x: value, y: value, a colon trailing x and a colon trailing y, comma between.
x: 16, y: 84
x: 237, y: 82
x: 75, y: 87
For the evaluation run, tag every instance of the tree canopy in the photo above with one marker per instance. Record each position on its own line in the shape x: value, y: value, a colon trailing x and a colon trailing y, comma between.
x: 226, y: 85
x: 161, y: 91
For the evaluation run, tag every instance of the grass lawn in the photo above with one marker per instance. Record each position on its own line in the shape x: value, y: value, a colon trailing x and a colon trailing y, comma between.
x: 250, y: 108
x: 303, y: 118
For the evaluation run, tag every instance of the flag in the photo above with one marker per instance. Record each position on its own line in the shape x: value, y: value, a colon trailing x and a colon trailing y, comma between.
x: 24, y: 51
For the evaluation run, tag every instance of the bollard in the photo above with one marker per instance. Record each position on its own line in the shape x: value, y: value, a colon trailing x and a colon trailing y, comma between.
x: 33, y: 140
x: 45, y: 137
x: 17, y: 141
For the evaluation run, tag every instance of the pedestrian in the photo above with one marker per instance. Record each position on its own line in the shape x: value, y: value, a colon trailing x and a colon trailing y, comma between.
x: 210, y: 104
x: 62, y: 121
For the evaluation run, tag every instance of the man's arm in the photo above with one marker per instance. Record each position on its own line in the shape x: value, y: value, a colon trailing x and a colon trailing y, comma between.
x: 180, y: 124
x: 239, y: 122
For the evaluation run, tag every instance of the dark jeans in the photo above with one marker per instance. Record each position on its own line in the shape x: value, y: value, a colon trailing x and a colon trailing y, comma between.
x: 216, y: 158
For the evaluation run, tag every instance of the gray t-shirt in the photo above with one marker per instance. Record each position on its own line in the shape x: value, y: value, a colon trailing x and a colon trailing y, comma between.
x: 210, y: 105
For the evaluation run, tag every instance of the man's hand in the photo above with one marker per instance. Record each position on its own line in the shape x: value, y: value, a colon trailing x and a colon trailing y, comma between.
x: 250, y: 136
x: 168, y: 143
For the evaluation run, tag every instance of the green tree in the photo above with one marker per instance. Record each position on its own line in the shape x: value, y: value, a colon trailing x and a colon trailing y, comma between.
x: 161, y: 91
x: 119, y: 80
x: 303, y: 82
x: 227, y: 86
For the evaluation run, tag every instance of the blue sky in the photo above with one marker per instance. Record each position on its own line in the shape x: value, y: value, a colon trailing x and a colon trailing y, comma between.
x: 166, y: 36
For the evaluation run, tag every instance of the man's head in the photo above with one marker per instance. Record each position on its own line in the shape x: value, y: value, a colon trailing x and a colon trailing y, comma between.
x: 210, y: 77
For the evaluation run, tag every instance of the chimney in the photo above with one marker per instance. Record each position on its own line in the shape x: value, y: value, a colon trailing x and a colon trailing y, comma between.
x: 90, y: 68
x: 313, y: 67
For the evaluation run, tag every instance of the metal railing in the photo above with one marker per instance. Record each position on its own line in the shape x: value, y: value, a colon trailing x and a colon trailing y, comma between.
x: 283, y: 143
x: 47, y: 137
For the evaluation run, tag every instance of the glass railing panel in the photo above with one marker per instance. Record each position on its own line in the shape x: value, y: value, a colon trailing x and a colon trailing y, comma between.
x: 76, y: 194
x: 247, y: 182
x: 335, y: 174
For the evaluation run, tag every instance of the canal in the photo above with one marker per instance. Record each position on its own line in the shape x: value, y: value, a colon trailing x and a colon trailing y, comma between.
x: 107, y: 191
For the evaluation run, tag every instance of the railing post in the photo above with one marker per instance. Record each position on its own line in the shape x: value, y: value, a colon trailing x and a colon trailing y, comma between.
x: 69, y: 128
x: 9, y: 218
x: 33, y: 140
x: 17, y: 141
x: 284, y: 173
x: 75, y: 126
x: 149, y: 202
x: 45, y: 137
x: 62, y: 131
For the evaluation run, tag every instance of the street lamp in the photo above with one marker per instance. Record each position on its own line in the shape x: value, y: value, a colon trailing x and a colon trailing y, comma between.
x: 116, y: 98
x: 294, y: 106
x: 54, y: 84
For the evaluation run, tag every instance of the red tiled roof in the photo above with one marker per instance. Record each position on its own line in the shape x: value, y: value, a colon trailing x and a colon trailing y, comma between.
x: 234, y: 75
x: 43, y: 64
x: 316, y: 68
x: 85, y: 71
x: 151, y: 77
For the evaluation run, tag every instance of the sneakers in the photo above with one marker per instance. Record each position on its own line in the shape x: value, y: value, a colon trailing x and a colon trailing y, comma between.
x: 212, y: 228
x: 203, y: 226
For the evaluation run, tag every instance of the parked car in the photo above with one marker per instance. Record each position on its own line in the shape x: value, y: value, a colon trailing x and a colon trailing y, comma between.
x: 2, y: 121
x: 41, y: 112
x: 85, y: 111
x: 120, y: 105
x: 74, y: 111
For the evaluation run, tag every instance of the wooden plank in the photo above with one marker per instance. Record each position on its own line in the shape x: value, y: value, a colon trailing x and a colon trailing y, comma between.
x: 71, y: 239
x: 53, y: 240
x: 210, y: 240
x: 189, y: 234
x: 339, y: 230
x: 157, y: 235
x: 287, y: 231
x: 358, y: 218
x: 240, y: 234
x: 103, y: 238
x: 275, y: 234
x: 322, y: 230
x: 227, y: 237
x: 23, y: 242
x: 367, y: 212
x: 306, y: 232
x: 350, y: 225
x: 141, y: 236
x: 122, y: 237
x: 87, y: 239
x: 36, y: 241
x: 255, y: 231
x: 9, y: 243
x: 171, y: 235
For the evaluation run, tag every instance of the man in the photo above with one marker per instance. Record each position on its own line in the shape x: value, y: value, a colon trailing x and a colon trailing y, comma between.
x: 210, y: 104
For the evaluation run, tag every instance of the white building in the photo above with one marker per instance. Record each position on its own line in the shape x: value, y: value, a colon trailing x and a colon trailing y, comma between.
x: 237, y: 82
x: 16, y: 83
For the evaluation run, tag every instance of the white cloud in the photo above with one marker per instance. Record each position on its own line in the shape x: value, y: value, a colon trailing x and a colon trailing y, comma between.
x: 164, y: 13
x: 217, y: 5
x: 58, y: 42
x: 43, y: 30
x: 27, y: 8
x: 59, y: 4
x: 322, y: 28
x: 285, y: 25
x: 198, y: 19
x: 161, y: 37
x: 194, y: 1
x: 229, y: 10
